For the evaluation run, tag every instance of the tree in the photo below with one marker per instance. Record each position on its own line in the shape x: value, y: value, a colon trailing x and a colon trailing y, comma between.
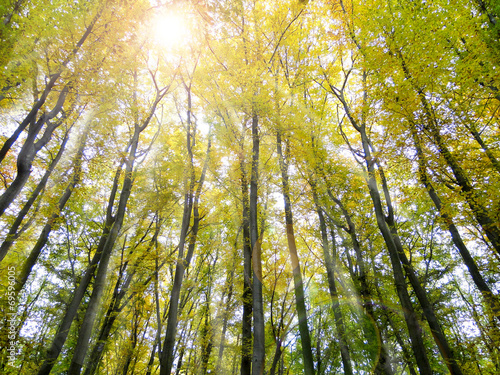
x: 162, y: 162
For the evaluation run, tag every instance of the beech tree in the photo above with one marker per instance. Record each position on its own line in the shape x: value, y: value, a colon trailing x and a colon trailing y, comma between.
x: 249, y: 187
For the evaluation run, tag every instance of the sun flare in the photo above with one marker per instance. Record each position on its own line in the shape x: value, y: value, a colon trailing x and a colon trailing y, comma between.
x: 170, y: 30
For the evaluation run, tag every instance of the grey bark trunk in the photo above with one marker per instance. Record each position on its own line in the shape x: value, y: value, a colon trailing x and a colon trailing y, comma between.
x: 225, y: 314
x: 190, y: 205
x: 246, y: 324
x: 115, y: 307
x: 72, y: 310
x: 30, y: 149
x: 14, y: 231
x: 47, y: 90
x: 330, y: 272
x: 411, y: 319
x: 30, y: 262
x: 100, y: 279
x: 432, y: 320
x: 490, y: 298
x: 489, y: 226
x: 383, y: 365
x: 305, y: 337
x: 259, y: 350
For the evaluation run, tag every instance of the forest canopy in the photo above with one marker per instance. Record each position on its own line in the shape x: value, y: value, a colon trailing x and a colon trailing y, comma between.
x: 250, y: 187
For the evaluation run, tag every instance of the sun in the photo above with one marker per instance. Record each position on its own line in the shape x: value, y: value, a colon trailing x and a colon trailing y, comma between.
x: 170, y: 29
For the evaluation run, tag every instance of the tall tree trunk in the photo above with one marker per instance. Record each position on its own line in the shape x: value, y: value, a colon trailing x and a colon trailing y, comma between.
x: 410, y: 316
x: 100, y: 279
x: 279, y: 332
x: 207, y: 336
x: 305, y: 337
x: 246, y: 323
x: 14, y: 231
x: 489, y: 226
x: 30, y: 262
x: 159, y: 321
x: 383, y: 365
x: 259, y: 349
x: 30, y: 149
x: 133, y: 341
x: 31, y: 117
x: 330, y: 272
x: 482, y: 286
x: 428, y: 310
x: 114, y: 309
x: 190, y: 205
x: 72, y: 310
x: 116, y: 306
x: 227, y: 306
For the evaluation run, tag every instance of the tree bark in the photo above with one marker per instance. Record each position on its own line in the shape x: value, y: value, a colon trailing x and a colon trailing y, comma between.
x: 100, y: 279
x: 116, y: 306
x: 190, y: 205
x: 330, y: 272
x: 47, y: 90
x: 259, y: 349
x: 489, y: 226
x: 428, y: 310
x: 30, y: 262
x: 383, y: 365
x: 228, y: 293
x: 30, y: 149
x: 490, y: 298
x: 14, y: 231
x: 305, y: 337
x: 410, y: 316
x: 72, y: 310
x: 246, y: 323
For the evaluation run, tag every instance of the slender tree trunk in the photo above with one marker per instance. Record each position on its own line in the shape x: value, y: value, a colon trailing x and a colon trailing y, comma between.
x: 279, y: 332
x: 386, y: 314
x: 489, y: 226
x: 432, y: 320
x: 30, y: 149
x: 30, y: 262
x: 225, y: 314
x: 72, y: 310
x: 399, y: 278
x: 246, y: 324
x: 178, y: 367
x: 297, y: 274
x: 157, y: 343
x: 100, y: 280
x: 190, y: 205
x: 259, y: 349
x: 47, y: 90
x: 14, y: 231
x: 207, y: 336
x: 115, y: 307
x: 133, y: 340
x: 383, y: 365
x: 167, y: 353
x: 410, y: 316
x: 330, y: 267
x: 482, y: 286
